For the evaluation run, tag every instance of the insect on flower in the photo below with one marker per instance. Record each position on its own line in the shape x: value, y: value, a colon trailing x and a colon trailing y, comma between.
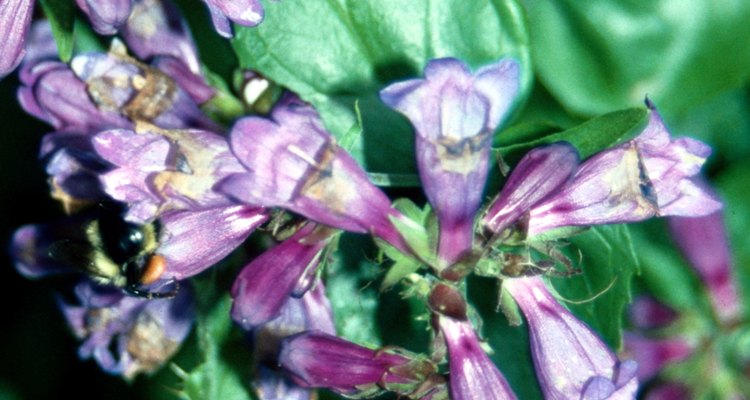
x: 114, y: 252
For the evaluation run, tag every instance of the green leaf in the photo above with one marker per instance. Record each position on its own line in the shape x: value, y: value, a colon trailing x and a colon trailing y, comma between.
x: 223, y: 373
x: 599, y: 295
x: 589, y: 137
x: 335, y: 53
x: 663, y: 271
x: 600, y: 55
x: 350, y: 288
x: 60, y: 14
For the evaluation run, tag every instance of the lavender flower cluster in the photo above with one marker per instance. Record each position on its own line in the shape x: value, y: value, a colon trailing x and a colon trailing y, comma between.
x: 129, y: 129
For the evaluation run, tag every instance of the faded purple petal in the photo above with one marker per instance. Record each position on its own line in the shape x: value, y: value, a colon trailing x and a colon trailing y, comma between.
x: 668, y: 391
x: 30, y: 249
x: 455, y: 114
x: 188, y: 80
x: 195, y: 240
x: 293, y: 163
x: 704, y: 243
x: 472, y: 374
x: 155, y: 28
x: 568, y: 356
x: 540, y: 173
x: 653, y: 354
x: 316, y: 359
x: 264, y: 285
x: 128, y: 335
x: 106, y: 16
x: 15, y: 19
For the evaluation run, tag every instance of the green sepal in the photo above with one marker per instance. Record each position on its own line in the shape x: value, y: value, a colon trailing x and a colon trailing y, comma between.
x: 61, y: 17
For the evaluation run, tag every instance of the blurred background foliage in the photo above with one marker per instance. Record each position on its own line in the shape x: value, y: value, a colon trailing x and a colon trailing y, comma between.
x: 691, y: 57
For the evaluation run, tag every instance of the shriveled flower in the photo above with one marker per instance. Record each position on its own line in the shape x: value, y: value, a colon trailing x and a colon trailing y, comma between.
x: 455, y: 114
x: 293, y: 163
x: 241, y: 12
x: 121, y: 84
x: 704, y: 243
x: 263, y: 287
x: 651, y: 175
x: 15, y: 19
x: 128, y: 336
x: 571, y: 362
x: 317, y: 359
x: 541, y: 172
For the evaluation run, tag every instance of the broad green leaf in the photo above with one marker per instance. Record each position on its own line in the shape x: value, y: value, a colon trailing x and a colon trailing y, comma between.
x: 226, y: 363
x: 339, y: 52
x: 60, y: 14
x: 600, y: 55
x: 663, y: 272
x: 599, y: 295
x: 589, y: 137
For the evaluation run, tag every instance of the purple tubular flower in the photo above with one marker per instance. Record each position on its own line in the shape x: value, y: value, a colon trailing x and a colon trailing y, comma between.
x: 15, y: 19
x: 704, y: 243
x: 156, y: 28
x: 160, y: 170
x: 195, y: 240
x: 571, y: 361
x: 293, y: 163
x: 264, y: 285
x: 106, y: 16
x: 455, y: 113
x: 651, y: 175
x: 654, y: 354
x: 317, y: 359
x: 540, y: 173
x: 128, y: 335
x: 472, y: 374
x: 241, y: 12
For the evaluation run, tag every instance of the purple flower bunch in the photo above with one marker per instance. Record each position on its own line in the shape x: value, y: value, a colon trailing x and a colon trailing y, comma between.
x: 672, y: 345
x: 157, y: 192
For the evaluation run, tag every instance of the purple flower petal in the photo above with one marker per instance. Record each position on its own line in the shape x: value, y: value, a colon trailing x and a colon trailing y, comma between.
x: 293, y: 163
x: 647, y: 313
x: 539, y: 173
x: 316, y: 359
x: 703, y: 241
x: 241, y: 12
x: 157, y: 28
x: 455, y: 114
x: 128, y: 335
x: 15, y: 19
x: 567, y: 355
x: 653, y: 355
x: 651, y: 175
x: 195, y: 240
x: 264, y: 285
x: 106, y: 16
x: 472, y: 374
